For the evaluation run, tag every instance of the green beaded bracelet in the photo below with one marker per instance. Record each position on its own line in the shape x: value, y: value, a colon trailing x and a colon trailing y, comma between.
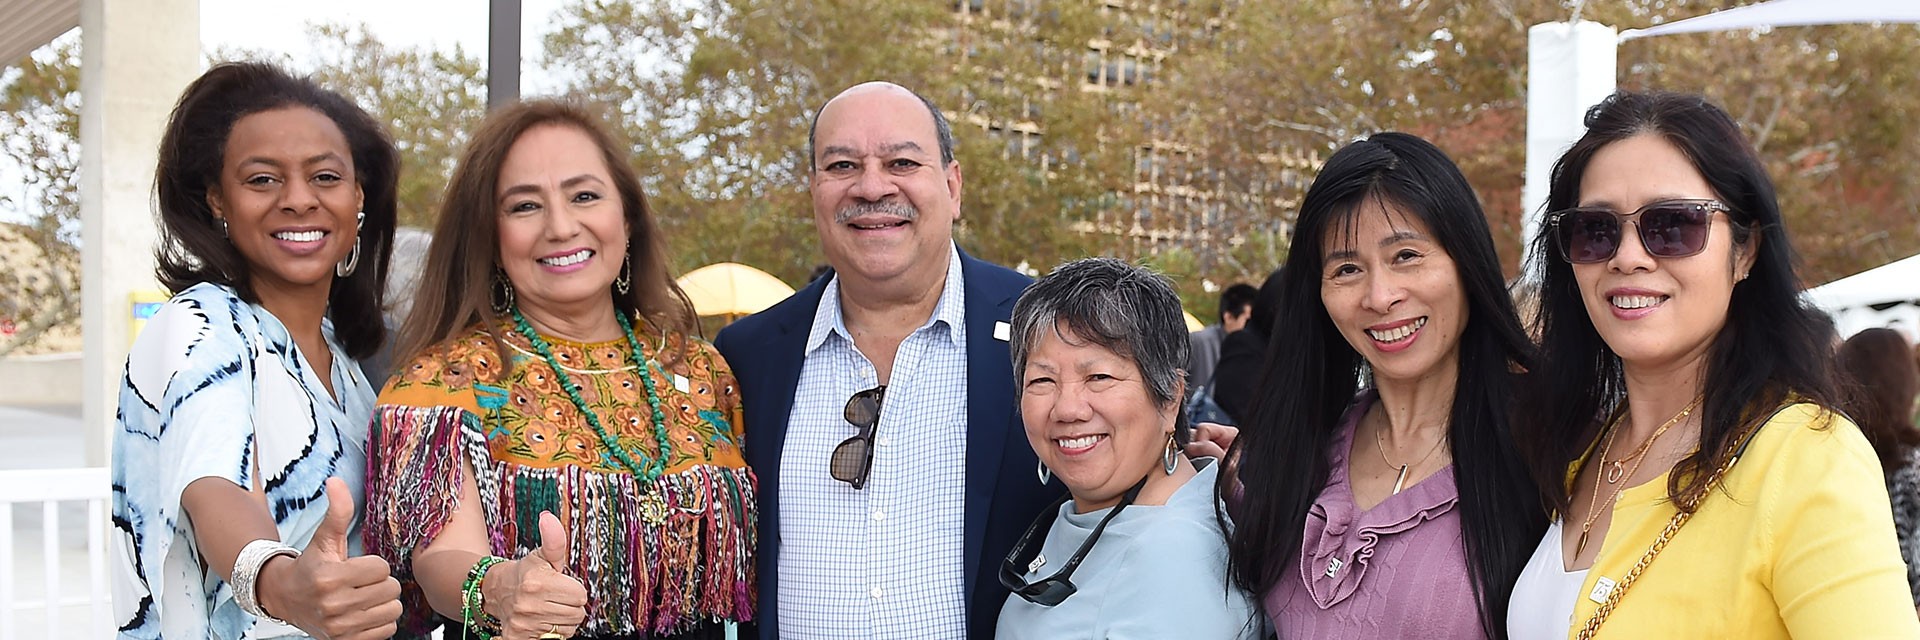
x: 474, y: 618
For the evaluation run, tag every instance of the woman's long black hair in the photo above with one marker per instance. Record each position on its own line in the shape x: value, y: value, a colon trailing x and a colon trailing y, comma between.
x: 1774, y: 344
x: 1312, y: 375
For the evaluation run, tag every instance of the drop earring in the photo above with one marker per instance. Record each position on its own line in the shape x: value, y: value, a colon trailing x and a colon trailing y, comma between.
x: 1046, y: 475
x: 346, y: 267
x: 624, y: 282
x: 502, y: 292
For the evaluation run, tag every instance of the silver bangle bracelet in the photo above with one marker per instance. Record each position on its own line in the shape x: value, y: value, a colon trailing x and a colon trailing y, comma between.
x: 246, y: 575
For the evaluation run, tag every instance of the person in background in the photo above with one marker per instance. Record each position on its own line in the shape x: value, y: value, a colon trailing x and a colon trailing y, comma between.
x: 892, y: 465
x: 240, y: 439
x: 1236, y: 305
x: 1243, y: 355
x: 1137, y: 551
x: 1879, y: 386
x: 1680, y: 424
x: 559, y: 456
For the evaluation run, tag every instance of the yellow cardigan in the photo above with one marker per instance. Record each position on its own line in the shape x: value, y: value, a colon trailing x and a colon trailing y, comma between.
x: 1797, y: 543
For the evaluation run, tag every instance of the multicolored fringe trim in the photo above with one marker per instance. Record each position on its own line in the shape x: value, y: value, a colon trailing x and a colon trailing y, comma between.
x: 656, y: 559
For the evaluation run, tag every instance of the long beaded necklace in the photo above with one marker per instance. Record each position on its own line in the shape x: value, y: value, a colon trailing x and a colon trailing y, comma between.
x: 658, y: 465
x: 1594, y: 508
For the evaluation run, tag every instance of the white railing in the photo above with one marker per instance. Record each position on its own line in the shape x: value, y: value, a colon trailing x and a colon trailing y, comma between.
x: 49, y: 488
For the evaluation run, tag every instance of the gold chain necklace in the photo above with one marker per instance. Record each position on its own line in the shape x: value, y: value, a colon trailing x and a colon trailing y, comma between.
x: 1401, y: 481
x: 1639, y: 456
x: 1614, y: 470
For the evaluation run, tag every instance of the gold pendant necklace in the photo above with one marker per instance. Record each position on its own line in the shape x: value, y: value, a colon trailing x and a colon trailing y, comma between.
x: 1613, y: 472
x: 1401, y: 481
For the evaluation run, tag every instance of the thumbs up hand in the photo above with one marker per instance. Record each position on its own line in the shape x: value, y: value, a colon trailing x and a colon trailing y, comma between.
x: 533, y: 596
x: 324, y: 592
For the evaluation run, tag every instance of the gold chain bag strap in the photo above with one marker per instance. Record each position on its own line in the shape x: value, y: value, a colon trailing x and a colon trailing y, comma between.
x: 1666, y: 535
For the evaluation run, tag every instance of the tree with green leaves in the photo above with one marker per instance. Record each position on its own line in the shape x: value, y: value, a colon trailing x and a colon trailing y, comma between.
x: 40, y: 137
x: 430, y: 101
x: 717, y: 97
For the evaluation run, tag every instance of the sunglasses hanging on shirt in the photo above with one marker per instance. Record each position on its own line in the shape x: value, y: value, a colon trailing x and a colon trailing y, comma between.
x: 853, y: 458
x: 1056, y: 588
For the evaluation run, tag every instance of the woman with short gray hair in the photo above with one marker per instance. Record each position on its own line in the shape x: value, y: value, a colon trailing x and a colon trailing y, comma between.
x: 1137, y: 551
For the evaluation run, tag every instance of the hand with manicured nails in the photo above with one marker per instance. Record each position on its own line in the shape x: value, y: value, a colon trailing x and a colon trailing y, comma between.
x: 533, y: 596
x: 324, y: 592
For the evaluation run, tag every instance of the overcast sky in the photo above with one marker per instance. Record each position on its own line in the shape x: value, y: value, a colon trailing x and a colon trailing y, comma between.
x: 280, y: 26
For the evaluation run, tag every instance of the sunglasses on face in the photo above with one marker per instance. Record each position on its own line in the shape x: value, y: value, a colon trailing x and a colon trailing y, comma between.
x: 1054, y: 589
x: 1668, y: 229
x: 853, y: 458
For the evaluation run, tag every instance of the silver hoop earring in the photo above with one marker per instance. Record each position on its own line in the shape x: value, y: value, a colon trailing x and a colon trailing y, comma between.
x: 345, y: 267
x: 1172, y: 459
x: 1046, y: 476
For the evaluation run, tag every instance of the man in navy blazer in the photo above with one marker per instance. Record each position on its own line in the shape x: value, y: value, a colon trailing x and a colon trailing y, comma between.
x: 886, y: 192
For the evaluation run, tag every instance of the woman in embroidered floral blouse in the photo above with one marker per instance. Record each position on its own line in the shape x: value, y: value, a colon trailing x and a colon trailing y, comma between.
x: 559, y: 458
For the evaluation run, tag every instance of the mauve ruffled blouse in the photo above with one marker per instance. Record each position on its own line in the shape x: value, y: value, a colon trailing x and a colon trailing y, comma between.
x: 1397, y: 570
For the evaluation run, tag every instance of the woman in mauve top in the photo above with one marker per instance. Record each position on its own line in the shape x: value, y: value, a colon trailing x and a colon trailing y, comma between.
x: 1377, y: 495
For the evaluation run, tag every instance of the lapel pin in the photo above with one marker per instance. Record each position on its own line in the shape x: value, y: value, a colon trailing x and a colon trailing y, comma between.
x: 1002, y: 331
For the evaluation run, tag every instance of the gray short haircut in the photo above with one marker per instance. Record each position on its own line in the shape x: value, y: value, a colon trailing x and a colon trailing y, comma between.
x: 942, y: 130
x: 1130, y: 310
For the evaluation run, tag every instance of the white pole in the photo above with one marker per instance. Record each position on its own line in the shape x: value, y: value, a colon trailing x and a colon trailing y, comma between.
x: 136, y: 56
x: 1570, y: 67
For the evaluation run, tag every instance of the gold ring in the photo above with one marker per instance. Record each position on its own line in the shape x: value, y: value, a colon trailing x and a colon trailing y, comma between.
x: 553, y: 633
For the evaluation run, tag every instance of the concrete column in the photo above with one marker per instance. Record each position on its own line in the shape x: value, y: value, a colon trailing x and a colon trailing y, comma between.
x: 1570, y: 67
x: 137, y: 56
x: 503, y: 53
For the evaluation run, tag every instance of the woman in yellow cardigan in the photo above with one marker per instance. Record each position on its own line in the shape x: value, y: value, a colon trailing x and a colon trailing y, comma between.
x: 1680, y: 425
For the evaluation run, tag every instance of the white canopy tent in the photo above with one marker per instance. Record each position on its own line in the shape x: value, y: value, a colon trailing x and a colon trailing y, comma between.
x: 1884, y: 296
x: 1788, y: 13
x: 1573, y: 65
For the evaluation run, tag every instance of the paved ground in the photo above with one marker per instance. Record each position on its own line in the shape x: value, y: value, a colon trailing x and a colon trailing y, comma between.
x: 46, y: 437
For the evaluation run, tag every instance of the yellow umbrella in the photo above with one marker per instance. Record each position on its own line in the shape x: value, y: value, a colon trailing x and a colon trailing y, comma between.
x: 1193, y: 324
x: 732, y: 289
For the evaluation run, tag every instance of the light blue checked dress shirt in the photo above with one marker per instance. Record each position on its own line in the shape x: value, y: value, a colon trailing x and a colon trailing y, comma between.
x: 882, y: 562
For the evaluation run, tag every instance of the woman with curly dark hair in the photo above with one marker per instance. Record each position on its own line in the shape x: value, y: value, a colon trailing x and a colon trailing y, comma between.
x: 242, y: 428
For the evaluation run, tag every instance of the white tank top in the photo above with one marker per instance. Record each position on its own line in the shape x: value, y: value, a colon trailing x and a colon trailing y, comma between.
x: 1542, y: 604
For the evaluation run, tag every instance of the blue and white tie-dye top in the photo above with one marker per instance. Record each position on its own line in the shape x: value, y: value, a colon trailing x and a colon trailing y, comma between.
x: 215, y: 388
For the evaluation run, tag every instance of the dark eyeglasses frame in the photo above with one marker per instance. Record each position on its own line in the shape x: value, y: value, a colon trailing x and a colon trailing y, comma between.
x: 853, y: 457
x: 1562, y: 232
x: 1056, y: 588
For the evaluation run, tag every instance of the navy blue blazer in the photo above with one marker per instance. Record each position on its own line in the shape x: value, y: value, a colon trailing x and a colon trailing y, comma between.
x: 765, y: 351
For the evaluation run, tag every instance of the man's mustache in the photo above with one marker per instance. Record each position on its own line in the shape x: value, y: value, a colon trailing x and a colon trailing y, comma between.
x: 896, y: 209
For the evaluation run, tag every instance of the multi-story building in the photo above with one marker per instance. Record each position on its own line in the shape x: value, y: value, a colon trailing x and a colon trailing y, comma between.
x: 1175, y: 199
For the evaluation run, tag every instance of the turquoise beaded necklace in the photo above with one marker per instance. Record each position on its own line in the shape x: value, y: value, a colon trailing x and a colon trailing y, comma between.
x: 658, y: 465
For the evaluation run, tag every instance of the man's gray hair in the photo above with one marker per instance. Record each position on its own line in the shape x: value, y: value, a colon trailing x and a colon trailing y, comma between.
x: 1129, y: 310
x: 942, y: 130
